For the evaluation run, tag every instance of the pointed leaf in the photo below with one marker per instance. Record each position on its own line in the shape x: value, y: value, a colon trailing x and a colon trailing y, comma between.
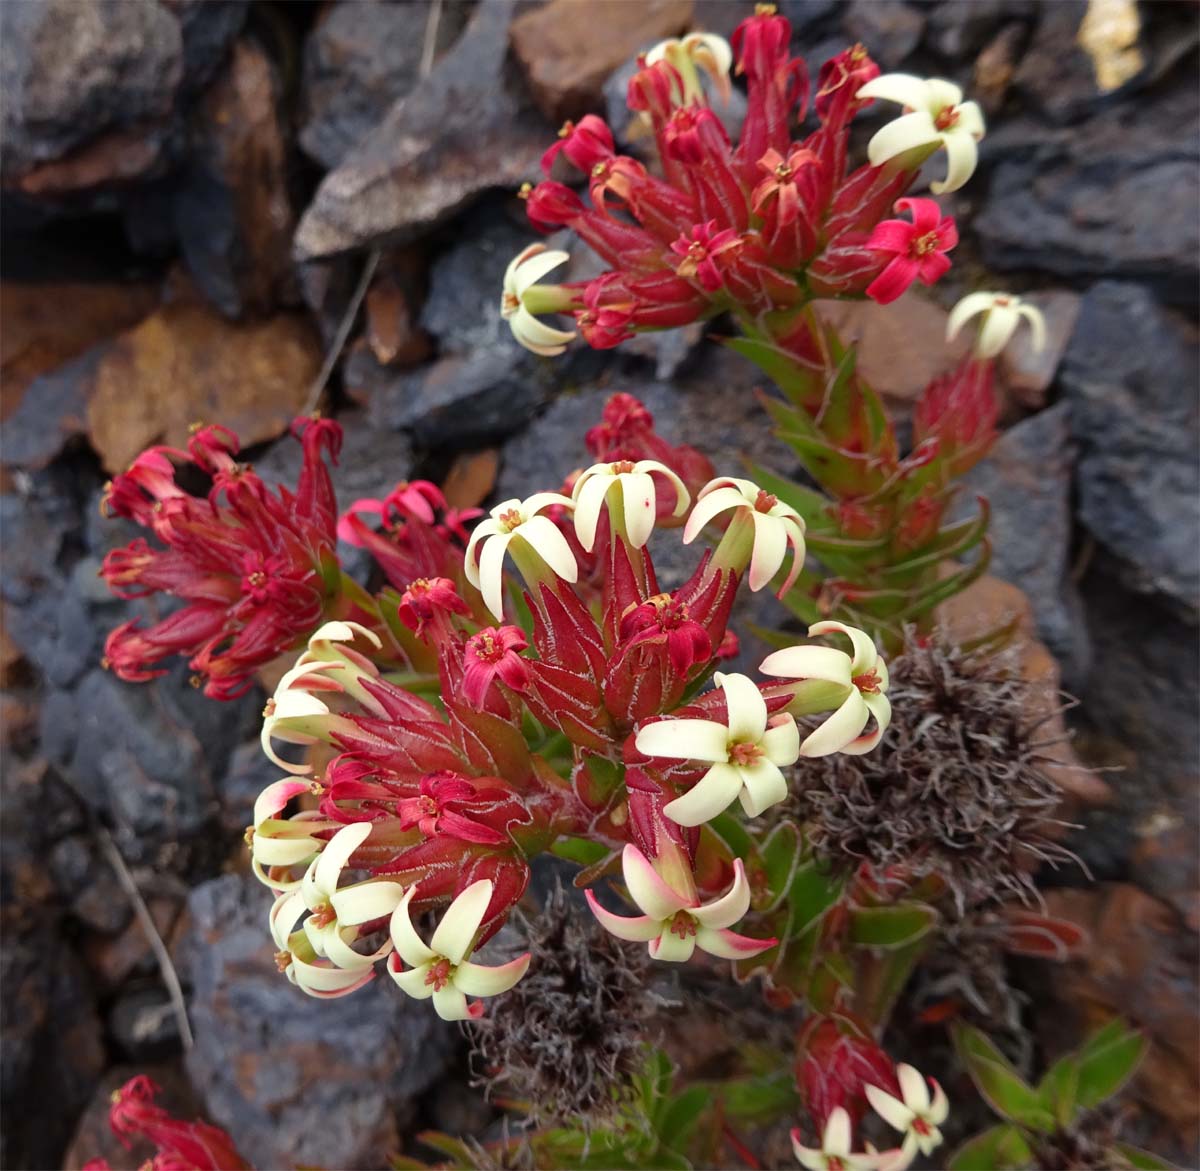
x: 1136, y: 1157
x: 999, y: 1149
x: 1107, y: 1061
x: 890, y: 927
x: 1000, y: 1084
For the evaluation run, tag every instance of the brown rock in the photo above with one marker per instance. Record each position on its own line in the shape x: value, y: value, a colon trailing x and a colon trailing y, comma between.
x: 186, y: 363
x: 113, y: 959
x: 234, y: 214
x: 471, y: 478
x: 995, y: 66
x: 569, y: 47
x: 1027, y: 373
x: 393, y: 334
x: 901, y: 347
x: 990, y: 606
x: 46, y: 325
x: 1138, y: 964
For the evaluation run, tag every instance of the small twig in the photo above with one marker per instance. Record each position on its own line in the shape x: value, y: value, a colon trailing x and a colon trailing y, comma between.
x: 166, y: 967
x: 431, y: 32
x: 343, y: 331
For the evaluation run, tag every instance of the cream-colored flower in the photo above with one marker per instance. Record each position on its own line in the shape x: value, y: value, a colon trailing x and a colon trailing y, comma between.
x: 936, y: 115
x: 746, y: 754
x: 517, y: 520
x: 674, y: 922
x: 776, y: 526
x: 1002, y: 313
x: 525, y: 270
x: 442, y: 969
x: 914, y: 1112
x: 829, y: 678
x: 834, y: 1153
x: 633, y: 485
x: 317, y: 956
x: 279, y: 844
x: 704, y: 51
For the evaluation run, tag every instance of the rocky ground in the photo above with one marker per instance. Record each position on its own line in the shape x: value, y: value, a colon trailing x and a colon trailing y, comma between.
x: 192, y: 189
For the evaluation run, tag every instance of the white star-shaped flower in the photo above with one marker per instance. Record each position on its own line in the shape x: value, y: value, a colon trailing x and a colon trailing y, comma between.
x: 1002, y: 313
x: 633, y: 485
x: 914, y: 1112
x: 525, y: 270
x: 834, y: 1153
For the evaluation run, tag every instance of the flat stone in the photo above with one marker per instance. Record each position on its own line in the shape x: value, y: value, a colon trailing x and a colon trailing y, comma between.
x: 292, y: 1079
x: 466, y: 128
x: 1134, y: 416
x: 566, y: 71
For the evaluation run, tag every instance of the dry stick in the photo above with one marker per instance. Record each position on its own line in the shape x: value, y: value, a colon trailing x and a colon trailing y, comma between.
x: 166, y: 967
x: 343, y: 331
x: 431, y: 31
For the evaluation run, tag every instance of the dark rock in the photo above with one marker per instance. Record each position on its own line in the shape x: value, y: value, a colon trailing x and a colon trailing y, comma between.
x: 87, y: 882
x: 143, y: 1024
x: 232, y: 211
x: 567, y: 71
x: 1027, y: 481
x: 890, y: 29
x: 249, y: 772
x: 1055, y: 74
x: 293, y: 1079
x: 1028, y: 373
x: 1129, y: 377
x: 466, y: 128
x: 359, y: 60
x: 995, y: 67
x: 208, y: 28
x: 959, y: 31
x: 73, y: 70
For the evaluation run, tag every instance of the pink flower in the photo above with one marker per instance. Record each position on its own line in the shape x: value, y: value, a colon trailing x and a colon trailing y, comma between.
x: 918, y: 249
x: 437, y: 810
x: 701, y: 251
x: 494, y: 652
x: 664, y: 619
x: 427, y: 597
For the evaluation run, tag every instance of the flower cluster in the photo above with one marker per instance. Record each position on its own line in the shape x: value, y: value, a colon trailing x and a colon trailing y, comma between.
x: 758, y: 226
x: 570, y: 710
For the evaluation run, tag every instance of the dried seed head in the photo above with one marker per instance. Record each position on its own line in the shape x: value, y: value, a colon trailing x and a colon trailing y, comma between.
x: 955, y: 789
x: 571, y: 1035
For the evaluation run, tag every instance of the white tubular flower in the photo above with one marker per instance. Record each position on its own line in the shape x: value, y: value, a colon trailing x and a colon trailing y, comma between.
x: 705, y: 51
x: 636, y: 488
x: 936, y: 115
x: 334, y: 919
x: 675, y: 923
x: 296, y: 714
x: 832, y: 679
x: 282, y: 843
x: 524, y: 271
x: 1002, y: 313
x: 916, y: 1115
x: 776, y: 526
x: 517, y: 520
x: 834, y: 1154
x: 746, y: 754
x: 442, y: 970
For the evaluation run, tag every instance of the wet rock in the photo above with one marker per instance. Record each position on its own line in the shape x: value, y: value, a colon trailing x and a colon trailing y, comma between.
x: 1053, y: 207
x: 1027, y: 481
x: 1027, y: 373
x: 358, y: 61
x: 296, y: 1080
x: 566, y: 71
x: 959, y: 31
x: 466, y: 128
x: 890, y: 29
x: 232, y: 211
x: 186, y: 361
x: 47, y: 325
x: 1140, y: 966
x: 74, y: 71
x: 1137, y: 428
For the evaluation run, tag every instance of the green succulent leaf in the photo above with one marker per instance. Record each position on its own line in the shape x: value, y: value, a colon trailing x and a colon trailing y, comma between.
x: 1107, y: 1061
x: 1059, y: 1089
x: 1001, y: 1086
x: 1136, y: 1157
x: 1003, y: 1148
x: 891, y: 927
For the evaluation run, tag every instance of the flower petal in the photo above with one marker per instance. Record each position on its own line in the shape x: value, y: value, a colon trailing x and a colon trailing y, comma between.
x: 641, y: 505
x: 648, y: 890
x: 895, y: 1113
x: 450, y: 1004
x: 1037, y: 325
x: 285, y: 914
x: 412, y: 980
x: 711, y: 795
x: 408, y: 944
x: 275, y: 797
x: 902, y: 88
x: 747, y: 710
x: 337, y: 853
x: 836, y: 1139
x: 731, y: 906
x: 533, y: 268
x: 962, y: 155
x: 970, y: 119
x: 769, y: 550
x: 537, y: 336
x: 809, y: 662
x: 763, y: 785
x: 684, y: 740
x: 913, y: 1088
x: 710, y: 506
x: 491, y: 573
x: 637, y: 929
x: 547, y: 541
x: 939, y: 1110
x: 365, y: 901
x: 839, y: 729
x: 588, y: 503
x: 781, y: 743
x: 865, y: 654
x: 482, y: 980
x: 729, y: 945
x: 456, y: 932
x: 485, y: 528
x: 672, y: 948
x: 318, y: 980
x: 971, y: 305
x: 880, y: 707
x: 903, y: 134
